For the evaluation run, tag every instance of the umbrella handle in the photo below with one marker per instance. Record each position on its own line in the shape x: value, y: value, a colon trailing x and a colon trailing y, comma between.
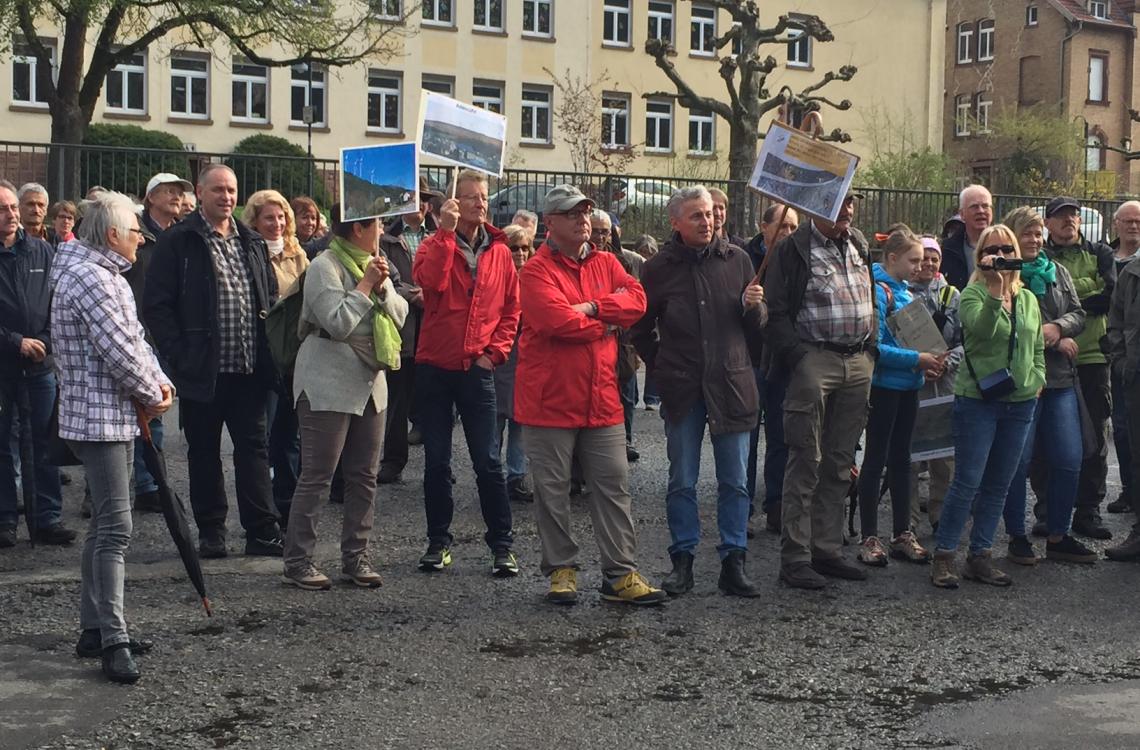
x: 143, y: 420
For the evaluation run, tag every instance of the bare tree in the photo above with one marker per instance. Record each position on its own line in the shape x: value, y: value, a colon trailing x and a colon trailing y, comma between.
x: 316, y: 32
x: 582, y: 128
x: 745, y: 74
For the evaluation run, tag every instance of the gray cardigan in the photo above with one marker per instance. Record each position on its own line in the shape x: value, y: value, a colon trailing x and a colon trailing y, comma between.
x: 328, y: 371
x: 1062, y: 307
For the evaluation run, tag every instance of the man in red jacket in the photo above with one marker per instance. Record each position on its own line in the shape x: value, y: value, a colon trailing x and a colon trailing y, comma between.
x: 576, y: 299
x: 471, y: 314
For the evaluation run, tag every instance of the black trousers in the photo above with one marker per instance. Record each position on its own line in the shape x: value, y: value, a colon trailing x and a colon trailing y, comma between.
x: 890, y: 425
x: 401, y: 392
x: 239, y: 405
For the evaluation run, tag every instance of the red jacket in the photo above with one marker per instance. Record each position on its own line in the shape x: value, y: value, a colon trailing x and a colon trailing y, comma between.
x: 567, y: 371
x: 465, y: 318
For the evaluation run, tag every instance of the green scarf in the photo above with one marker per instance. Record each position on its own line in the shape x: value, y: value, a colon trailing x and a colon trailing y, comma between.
x: 385, y: 334
x: 1039, y: 273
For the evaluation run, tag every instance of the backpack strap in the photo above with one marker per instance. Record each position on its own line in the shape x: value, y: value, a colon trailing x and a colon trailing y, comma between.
x: 890, y: 297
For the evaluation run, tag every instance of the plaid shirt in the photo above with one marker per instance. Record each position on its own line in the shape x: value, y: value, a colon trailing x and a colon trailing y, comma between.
x: 838, y: 306
x: 237, y: 327
x: 100, y: 355
x: 413, y: 238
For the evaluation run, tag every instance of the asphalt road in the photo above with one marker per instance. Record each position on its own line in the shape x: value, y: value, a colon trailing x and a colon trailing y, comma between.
x: 459, y: 658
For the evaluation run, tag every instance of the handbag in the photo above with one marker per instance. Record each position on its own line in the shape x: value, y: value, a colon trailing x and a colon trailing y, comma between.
x: 998, y: 383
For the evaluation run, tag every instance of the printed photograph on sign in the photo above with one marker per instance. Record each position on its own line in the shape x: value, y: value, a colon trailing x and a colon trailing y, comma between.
x: 808, y: 175
x: 379, y: 180
x: 461, y: 134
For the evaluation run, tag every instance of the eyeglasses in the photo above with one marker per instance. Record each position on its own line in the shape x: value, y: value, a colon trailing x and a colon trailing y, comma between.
x: 980, y: 207
x: 600, y: 230
x: 473, y: 198
x: 520, y: 248
x: 995, y: 249
x: 575, y: 215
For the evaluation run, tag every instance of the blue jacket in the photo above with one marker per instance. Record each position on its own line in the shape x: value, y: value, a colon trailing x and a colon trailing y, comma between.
x: 895, y: 368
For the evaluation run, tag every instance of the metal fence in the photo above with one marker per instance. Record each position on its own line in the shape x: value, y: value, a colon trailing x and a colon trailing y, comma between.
x: 638, y: 200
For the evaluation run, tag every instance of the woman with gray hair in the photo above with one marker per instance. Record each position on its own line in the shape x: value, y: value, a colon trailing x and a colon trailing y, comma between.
x: 106, y: 371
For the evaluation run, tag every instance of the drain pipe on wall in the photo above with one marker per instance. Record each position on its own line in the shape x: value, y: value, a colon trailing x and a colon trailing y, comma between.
x: 1080, y: 25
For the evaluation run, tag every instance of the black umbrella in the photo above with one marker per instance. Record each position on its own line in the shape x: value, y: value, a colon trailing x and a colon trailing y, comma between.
x: 173, y: 510
x: 27, y: 457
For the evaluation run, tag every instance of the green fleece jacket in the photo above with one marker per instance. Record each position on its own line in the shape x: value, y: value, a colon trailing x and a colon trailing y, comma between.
x: 1094, y: 275
x: 985, y: 328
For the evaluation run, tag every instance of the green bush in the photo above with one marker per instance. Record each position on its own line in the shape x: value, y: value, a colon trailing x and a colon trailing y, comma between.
x: 129, y: 171
x: 252, y: 160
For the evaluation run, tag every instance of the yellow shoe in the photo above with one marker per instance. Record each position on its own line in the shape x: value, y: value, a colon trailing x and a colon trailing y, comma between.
x: 563, y: 586
x: 632, y: 588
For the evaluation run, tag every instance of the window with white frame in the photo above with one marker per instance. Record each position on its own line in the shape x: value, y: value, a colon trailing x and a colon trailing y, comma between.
x: 535, y: 114
x: 250, y: 88
x: 538, y: 17
x: 1098, y: 77
x: 661, y: 20
x: 658, y: 125
x: 702, y: 132
x: 702, y: 30
x: 615, y: 22
x: 487, y: 95
x: 438, y: 13
x: 306, y: 92
x: 965, y: 37
x: 962, y: 115
x: 30, y: 80
x: 190, y: 87
x: 384, y: 99
x: 439, y: 84
x: 387, y: 10
x: 126, y: 86
x: 985, y: 39
x: 1094, y: 153
x: 1031, y: 15
x: 489, y: 15
x: 615, y: 120
x: 982, y: 117
x: 799, y: 51
x: 1098, y: 8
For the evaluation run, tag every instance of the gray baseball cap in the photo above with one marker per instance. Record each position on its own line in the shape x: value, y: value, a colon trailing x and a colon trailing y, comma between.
x: 564, y: 198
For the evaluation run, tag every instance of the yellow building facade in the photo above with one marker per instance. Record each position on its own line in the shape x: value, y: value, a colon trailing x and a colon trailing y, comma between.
x: 501, y: 54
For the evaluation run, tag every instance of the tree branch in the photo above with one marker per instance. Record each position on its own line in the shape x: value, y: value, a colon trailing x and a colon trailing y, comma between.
x: 686, y: 96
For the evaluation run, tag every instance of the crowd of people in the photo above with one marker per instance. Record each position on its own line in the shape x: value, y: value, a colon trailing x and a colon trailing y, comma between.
x: 399, y: 332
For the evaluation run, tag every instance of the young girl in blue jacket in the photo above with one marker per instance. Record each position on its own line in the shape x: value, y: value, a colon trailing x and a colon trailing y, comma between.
x: 899, y: 374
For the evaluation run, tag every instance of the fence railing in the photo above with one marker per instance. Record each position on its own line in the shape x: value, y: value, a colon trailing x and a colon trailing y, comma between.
x: 638, y: 200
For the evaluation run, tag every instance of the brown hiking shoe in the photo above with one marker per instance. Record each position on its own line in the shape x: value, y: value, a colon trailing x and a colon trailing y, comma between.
x: 942, y: 572
x: 980, y: 568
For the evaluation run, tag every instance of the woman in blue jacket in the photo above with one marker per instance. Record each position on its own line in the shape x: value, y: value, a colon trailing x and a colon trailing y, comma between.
x: 899, y: 374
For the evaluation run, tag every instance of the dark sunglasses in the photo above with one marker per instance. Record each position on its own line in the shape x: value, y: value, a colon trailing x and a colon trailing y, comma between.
x: 520, y: 248
x: 995, y: 249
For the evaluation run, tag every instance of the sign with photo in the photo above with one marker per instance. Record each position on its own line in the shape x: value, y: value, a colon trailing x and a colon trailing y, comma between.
x: 377, y: 181
x: 806, y: 174
x: 933, y: 429
x: 454, y: 132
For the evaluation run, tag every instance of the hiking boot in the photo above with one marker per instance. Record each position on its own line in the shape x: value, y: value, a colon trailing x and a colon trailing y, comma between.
x: 942, y: 572
x: 437, y: 557
x: 1091, y: 526
x: 415, y: 437
x: 54, y: 534
x: 148, y: 502
x: 680, y: 579
x: 733, y: 580
x: 563, y: 586
x: 90, y: 645
x: 1122, y: 504
x: 504, y: 564
x: 980, y: 568
x: 1069, y: 550
x: 905, y: 546
x: 872, y: 552
x: 1126, y: 551
x: 7, y: 536
x: 801, y: 576
x: 632, y: 588
x: 306, y: 576
x: 1021, y: 551
x: 265, y: 544
x: 119, y: 665
x: 631, y: 453
x: 361, y: 572
x: 837, y: 567
x: 212, y: 546
x: 518, y: 491
x: 772, y: 519
x: 388, y: 474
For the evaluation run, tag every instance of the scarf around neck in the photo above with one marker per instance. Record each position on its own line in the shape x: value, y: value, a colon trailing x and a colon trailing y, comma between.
x: 1039, y: 273
x: 385, y: 334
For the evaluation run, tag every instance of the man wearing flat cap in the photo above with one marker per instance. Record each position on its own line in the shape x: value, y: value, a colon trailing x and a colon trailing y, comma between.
x: 822, y: 338
x: 1090, y: 262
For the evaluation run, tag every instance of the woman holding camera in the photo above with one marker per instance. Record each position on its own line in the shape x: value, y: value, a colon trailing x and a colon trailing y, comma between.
x: 1057, y: 408
x: 996, y: 394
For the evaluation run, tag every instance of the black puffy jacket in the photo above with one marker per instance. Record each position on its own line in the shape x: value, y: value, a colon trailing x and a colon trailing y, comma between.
x: 25, y: 303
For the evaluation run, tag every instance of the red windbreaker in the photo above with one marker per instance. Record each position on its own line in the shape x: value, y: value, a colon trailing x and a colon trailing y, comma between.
x: 465, y: 318
x: 567, y: 371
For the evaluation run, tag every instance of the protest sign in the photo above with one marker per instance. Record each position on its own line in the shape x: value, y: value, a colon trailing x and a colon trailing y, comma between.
x: 806, y: 174
x: 379, y: 180
x: 914, y: 328
x: 457, y: 133
x: 933, y: 429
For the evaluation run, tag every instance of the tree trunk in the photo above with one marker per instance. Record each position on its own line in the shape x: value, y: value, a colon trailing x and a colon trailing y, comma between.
x: 741, y: 160
x: 68, y: 127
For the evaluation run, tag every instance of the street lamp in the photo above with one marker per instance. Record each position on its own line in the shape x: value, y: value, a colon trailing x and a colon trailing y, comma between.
x: 1084, y: 150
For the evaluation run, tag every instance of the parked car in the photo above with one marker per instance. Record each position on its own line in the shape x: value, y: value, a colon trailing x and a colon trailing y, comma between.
x: 528, y: 195
x: 1092, y: 224
x: 638, y: 193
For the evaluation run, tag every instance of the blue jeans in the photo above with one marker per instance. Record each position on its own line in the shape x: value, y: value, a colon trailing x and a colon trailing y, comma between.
x: 1057, y: 418
x: 516, y: 456
x: 144, y: 482
x: 651, y: 397
x: 989, y: 437
x: 683, y: 439
x: 775, y: 449
x: 49, y: 497
x: 628, y: 393
x: 472, y: 392
x: 1120, y: 437
x: 754, y: 442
